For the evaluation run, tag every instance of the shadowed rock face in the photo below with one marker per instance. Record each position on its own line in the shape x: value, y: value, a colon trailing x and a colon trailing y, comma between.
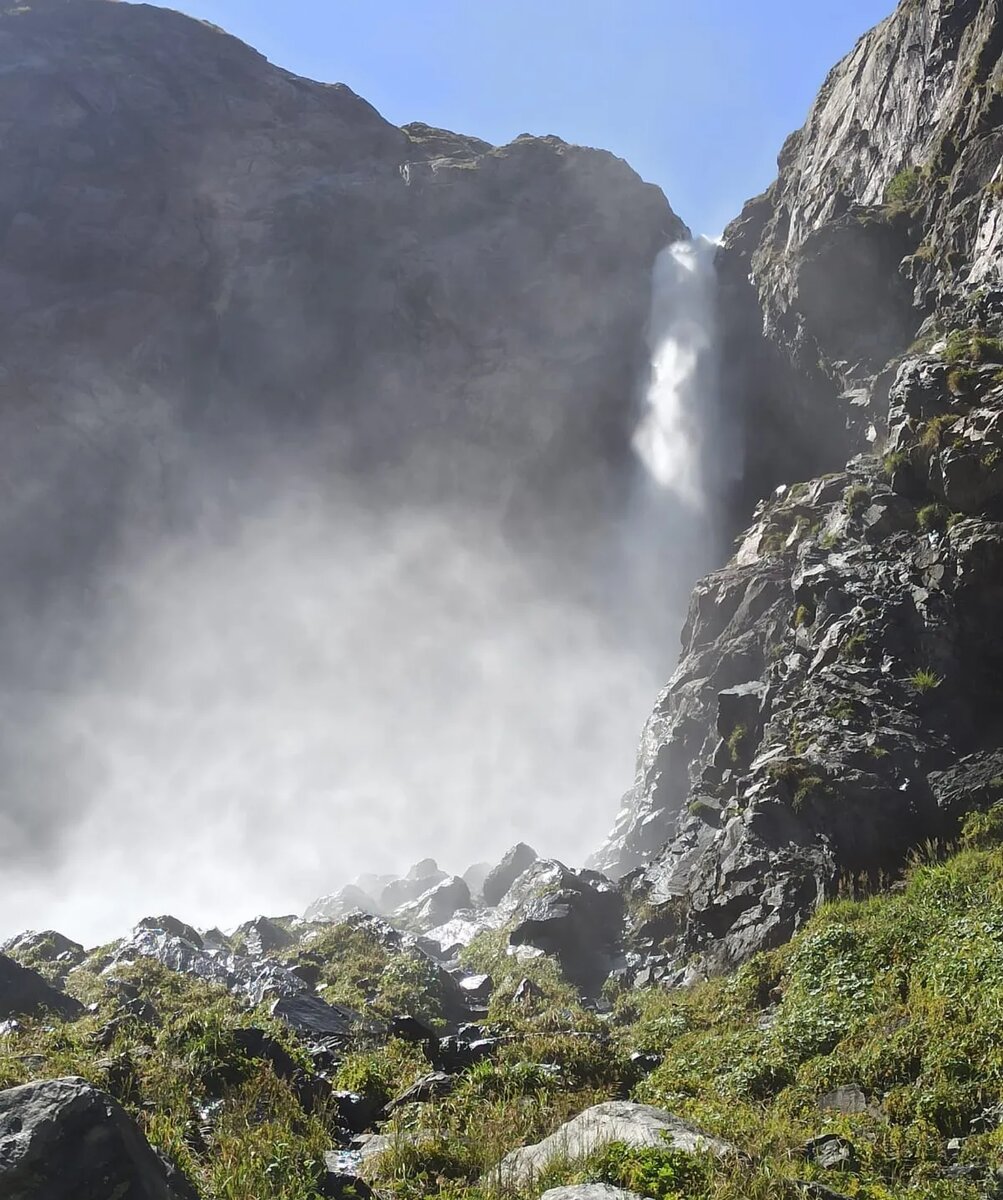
x: 189, y: 234
x: 838, y: 690
x: 63, y: 1138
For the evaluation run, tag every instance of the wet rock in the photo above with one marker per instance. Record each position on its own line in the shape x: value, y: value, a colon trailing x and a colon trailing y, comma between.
x: 453, y: 936
x: 435, y: 906
x: 355, y: 1113
x: 589, y: 1191
x: 65, y: 1140
x: 577, y: 916
x: 614, y: 1121
x: 24, y: 993
x: 501, y: 877
x: 339, y: 1184
x: 311, y: 1091
x: 831, y: 1152
x: 421, y: 878
x: 49, y: 949
x: 261, y: 936
x: 429, y: 1087
x: 312, y: 1017
x: 338, y: 905
x: 477, y: 988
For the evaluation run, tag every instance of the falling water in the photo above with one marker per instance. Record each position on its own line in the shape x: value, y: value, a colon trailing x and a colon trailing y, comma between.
x: 680, y: 402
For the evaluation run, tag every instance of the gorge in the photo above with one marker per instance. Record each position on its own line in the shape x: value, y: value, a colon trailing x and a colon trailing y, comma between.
x: 358, y: 479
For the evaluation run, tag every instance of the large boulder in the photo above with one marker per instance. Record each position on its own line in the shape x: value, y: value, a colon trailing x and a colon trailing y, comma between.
x: 614, y: 1121
x: 62, y: 1139
x: 434, y: 907
x: 25, y: 993
x: 576, y: 916
x: 501, y: 878
x: 338, y: 905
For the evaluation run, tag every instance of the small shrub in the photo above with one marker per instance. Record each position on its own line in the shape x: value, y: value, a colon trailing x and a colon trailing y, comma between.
x: 856, y: 499
x: 737, y: 743
x: 925, y: 680
x: 803, y: 616
x: 935, y: 432
x: 904, y: 189
x: 932, y: 518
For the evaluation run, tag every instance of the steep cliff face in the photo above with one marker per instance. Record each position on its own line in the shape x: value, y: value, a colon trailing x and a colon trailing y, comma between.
x: 886, y: 211
x: 192, y: 238
x: 846, y: 657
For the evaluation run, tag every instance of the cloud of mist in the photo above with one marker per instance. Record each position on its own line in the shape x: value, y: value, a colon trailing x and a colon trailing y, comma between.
x: 299, y: 676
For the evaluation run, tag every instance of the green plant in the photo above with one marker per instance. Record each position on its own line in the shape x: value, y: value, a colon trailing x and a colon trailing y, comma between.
x: 934, y: 433
x: 972, y: 345
x: 856, y: 499
x: 925, y: 680
x: 737, y: 742
x: 803, y: 616
x: 904, y: 188
x: 932, y: 518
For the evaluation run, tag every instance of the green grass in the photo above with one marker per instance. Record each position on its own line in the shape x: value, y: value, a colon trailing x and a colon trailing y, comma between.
x: 904, y: 189
x: 900, y: 993
x: 925, y: 680
x: 856, y: 499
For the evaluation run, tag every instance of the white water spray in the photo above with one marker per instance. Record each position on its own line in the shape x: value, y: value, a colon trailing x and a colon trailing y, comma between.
x: 679, y: 408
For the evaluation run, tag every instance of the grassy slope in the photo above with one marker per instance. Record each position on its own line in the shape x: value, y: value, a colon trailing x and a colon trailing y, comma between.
x: 901, y: 993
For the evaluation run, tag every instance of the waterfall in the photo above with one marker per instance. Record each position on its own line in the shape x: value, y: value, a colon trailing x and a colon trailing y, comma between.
x: 679, y: 407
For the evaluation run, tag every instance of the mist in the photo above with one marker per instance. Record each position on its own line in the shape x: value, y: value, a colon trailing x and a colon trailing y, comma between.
x: 312, y: 674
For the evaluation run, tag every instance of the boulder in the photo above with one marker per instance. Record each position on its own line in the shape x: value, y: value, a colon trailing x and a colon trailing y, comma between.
x: 614, y: 1121
x: 474, y: 877
x: 24, y: 993
x: 577, y: 916
x: 422, y: 877
x: 62, y: 1139
x: 338, y: 905
x: 435, y: 906
x: 312, y: 1017
x: 341, y: 1184
x: 261, y: 936
x: 429, y: 1087
x: 589, y: 1191
x: 501, y: 878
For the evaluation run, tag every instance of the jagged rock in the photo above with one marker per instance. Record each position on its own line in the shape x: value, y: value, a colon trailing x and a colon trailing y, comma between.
x: 180, y: 948
x: 311, y: 1090
x: 455, y: 934
x: 848, y: 1098
x: 355, y: 1113
x: 614, y: 1121
x: 474, y: 877
x: 831, y: 1152
x: 338, y: 905
x: 883, y: 211
x: 24, y: 993
x: 421, y: 878
x: 429, y: 1087
x: 65, y: 1140
x: 974, y: 782
x: 261, y: 936
x: 589, y: 1191
x: 172, y: 926
x: 577, y: 916
x: 435, y: 906
x: 315, y: 1018
x: 49, y: 947
x: 477, y: 988
x: 501, y: 877
x: 339, y: 1184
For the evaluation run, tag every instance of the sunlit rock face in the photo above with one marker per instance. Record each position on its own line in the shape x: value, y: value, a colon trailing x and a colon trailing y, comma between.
x: 885, y: 211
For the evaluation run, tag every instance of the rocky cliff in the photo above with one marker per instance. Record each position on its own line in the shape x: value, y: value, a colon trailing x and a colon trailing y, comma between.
x: 199, y: 247
x: 838, y: 698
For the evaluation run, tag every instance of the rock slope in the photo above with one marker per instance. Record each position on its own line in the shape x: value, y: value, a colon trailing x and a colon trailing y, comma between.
x: 847, y: 656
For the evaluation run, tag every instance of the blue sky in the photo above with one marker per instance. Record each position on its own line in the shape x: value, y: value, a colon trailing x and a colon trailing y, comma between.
x: 697, y: 95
